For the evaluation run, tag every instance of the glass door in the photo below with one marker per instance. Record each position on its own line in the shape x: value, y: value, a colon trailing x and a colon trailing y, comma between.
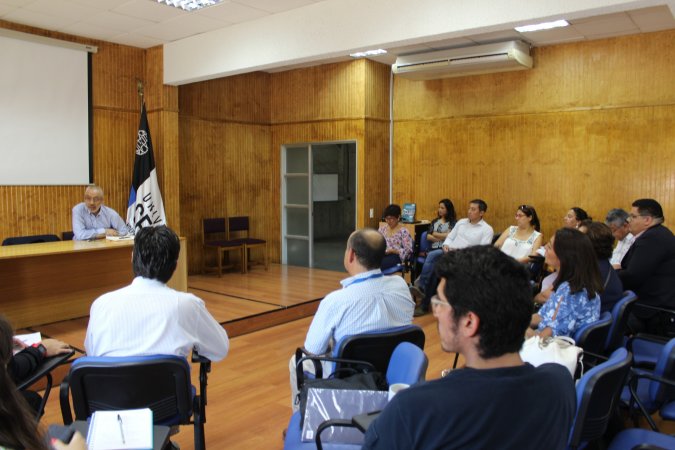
x: 296, y: 224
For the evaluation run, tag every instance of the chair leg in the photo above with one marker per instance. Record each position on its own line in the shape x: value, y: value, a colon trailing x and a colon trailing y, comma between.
x: 244, y: 259
x: 221, y: 253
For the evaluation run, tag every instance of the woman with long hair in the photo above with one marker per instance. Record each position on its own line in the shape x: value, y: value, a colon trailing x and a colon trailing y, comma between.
x: 442, y: 225
x: 603, y: 241
x: 18, y: 427
x: 575, y: 299
x: 523, y: 239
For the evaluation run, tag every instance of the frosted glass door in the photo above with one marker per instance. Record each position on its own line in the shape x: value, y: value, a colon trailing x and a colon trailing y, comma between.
x: 297, y: 207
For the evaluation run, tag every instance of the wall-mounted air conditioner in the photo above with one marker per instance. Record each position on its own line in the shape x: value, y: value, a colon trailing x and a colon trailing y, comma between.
x: 457, y: 62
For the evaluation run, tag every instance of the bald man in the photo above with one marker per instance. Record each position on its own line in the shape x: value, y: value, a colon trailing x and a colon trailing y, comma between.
x: 93, y: 220
x: 368, y: 301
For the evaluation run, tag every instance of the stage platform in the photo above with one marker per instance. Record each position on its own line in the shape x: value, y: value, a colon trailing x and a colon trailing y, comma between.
x: 242, y: 303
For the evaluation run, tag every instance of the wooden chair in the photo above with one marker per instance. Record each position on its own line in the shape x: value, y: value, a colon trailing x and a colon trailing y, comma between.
x: 220, y: 243
x: 240, y: 225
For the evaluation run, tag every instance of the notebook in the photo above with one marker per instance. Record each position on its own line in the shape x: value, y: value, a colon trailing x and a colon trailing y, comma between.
x: 120, y: 430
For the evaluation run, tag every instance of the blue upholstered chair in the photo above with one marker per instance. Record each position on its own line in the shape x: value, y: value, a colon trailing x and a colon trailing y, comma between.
x: 35, y: 239
x: 408, y: 364
x: 597, y: 398
x: 617, y: 331
x: 159, y: 382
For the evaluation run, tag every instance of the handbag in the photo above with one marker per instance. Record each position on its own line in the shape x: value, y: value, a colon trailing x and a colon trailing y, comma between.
x: 560, y: 350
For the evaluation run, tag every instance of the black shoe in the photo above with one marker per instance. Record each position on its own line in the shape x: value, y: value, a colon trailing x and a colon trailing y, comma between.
x: 420, y: 311
x: 417, y: 294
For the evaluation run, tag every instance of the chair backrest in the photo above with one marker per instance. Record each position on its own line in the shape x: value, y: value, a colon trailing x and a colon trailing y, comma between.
x: 377, y: 347
x: 592, y: 336
x: 597, y: 396
x: 620, y: 313
x: 660, y: 393
x: 36, y: 239
x: 237, y: 224
x: 408, y: 364
x: 425, y: 245
x: 67, y: 236
x: 159, y: 382
x: 212, y: 226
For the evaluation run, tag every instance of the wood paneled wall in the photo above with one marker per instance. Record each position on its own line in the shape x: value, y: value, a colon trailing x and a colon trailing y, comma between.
x: 232, y: 131
x: 592, y: 125
x: 116, y: 107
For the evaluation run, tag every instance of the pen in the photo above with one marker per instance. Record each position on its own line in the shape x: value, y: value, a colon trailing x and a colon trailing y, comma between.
x: 119, y: 420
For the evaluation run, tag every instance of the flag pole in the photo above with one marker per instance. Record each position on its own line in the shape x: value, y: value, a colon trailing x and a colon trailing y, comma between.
x: 139, y: 88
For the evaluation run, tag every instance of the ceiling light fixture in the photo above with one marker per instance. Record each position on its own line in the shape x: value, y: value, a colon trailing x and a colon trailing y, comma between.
x: 379, y: 51
x: 542, y: 26
x: 189, y: 5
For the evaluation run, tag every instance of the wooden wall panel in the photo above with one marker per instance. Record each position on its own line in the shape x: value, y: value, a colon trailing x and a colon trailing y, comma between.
x: 597, y: 159
x: 608, y: 73
x: 326, y: 92
x: 226, y: 169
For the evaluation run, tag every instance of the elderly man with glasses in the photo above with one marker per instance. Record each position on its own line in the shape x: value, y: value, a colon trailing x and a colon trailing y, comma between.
x: 617, y: 221
x: 483, y: 307
x: 93, y: 220
x: 648, y: 268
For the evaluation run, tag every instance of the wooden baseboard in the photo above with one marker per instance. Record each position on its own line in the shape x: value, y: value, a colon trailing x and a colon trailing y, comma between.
x: 269, y: 319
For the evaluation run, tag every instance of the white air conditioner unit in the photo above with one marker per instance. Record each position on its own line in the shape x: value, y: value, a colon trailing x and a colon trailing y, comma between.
x: 457, y: 62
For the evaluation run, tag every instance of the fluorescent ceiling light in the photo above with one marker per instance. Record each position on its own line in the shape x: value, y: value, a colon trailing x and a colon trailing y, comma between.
x: 189, y: 5
x: 379, y: 51
x: 542, y: 26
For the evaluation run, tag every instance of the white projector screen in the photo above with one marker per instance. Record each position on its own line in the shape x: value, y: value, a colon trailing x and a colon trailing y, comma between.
x: 44, y: 114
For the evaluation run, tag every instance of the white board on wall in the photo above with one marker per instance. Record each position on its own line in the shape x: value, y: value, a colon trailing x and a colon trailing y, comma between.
x: 325, y: 187
x: 44, y: 113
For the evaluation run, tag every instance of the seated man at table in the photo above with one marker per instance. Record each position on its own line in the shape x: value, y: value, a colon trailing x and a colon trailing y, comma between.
x: 93, y: 220
x: 368, y: 301
x: 148, y: 317
x: 483, y: 308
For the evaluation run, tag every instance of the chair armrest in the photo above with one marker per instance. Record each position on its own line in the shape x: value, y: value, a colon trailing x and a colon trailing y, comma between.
x: 47, y: 365
x: 66, y: 414
x: 328, y: 424
x: 632, y: 387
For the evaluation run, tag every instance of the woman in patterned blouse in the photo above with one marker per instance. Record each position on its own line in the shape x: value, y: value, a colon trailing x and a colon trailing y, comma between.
x: 399, y: 241
x: 575, y: 300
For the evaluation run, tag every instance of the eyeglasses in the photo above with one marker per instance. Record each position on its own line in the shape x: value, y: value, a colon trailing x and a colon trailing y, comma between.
x: 635, y: 216
x: 436, y: 301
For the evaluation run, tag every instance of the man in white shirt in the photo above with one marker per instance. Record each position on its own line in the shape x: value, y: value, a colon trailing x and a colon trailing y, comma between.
x: 368, y: 301
x: 617, y: 220
x: 148, y: 317
x: 472, y: 230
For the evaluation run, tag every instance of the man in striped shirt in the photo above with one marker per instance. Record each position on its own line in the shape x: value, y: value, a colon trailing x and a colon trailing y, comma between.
x: 368, y: 301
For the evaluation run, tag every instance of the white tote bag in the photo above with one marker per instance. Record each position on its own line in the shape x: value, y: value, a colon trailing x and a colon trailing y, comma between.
x: 559, y: 350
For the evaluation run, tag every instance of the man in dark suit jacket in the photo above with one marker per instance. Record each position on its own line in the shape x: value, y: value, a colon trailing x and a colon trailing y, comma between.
x: 648, y: 268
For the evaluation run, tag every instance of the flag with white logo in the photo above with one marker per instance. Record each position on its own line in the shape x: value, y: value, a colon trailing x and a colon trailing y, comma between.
x: 145, y: 201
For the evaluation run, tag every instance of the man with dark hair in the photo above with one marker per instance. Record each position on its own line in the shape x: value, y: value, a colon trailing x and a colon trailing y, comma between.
x: 368, y: 301
x: 472, y: 230
x: 483, y: 308
x: 648, y: 268
x: 617, y: 221
x: 148, y: 317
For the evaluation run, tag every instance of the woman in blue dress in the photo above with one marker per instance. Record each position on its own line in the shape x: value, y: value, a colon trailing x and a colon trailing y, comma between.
x: 575, y: 300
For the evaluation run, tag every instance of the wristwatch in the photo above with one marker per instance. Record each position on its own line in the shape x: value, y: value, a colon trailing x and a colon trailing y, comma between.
x: 41, y: 349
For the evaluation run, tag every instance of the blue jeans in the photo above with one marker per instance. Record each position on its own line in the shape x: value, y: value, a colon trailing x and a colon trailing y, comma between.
x: 428, y: 268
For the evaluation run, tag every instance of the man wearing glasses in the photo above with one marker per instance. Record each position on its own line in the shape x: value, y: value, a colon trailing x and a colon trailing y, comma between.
x: 93, y: 220
x: 617, y: 221
x: 483, y: 307
x: 648, y: 268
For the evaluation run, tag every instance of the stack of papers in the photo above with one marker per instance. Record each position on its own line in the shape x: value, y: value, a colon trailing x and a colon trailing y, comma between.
x: 27, y: 340
x: 119, y: 430
x: 126, y: 237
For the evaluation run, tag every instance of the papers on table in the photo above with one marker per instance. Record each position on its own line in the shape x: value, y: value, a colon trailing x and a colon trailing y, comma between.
x: 27, y: 339
x: 118, y: 430
x: 126, y: 237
